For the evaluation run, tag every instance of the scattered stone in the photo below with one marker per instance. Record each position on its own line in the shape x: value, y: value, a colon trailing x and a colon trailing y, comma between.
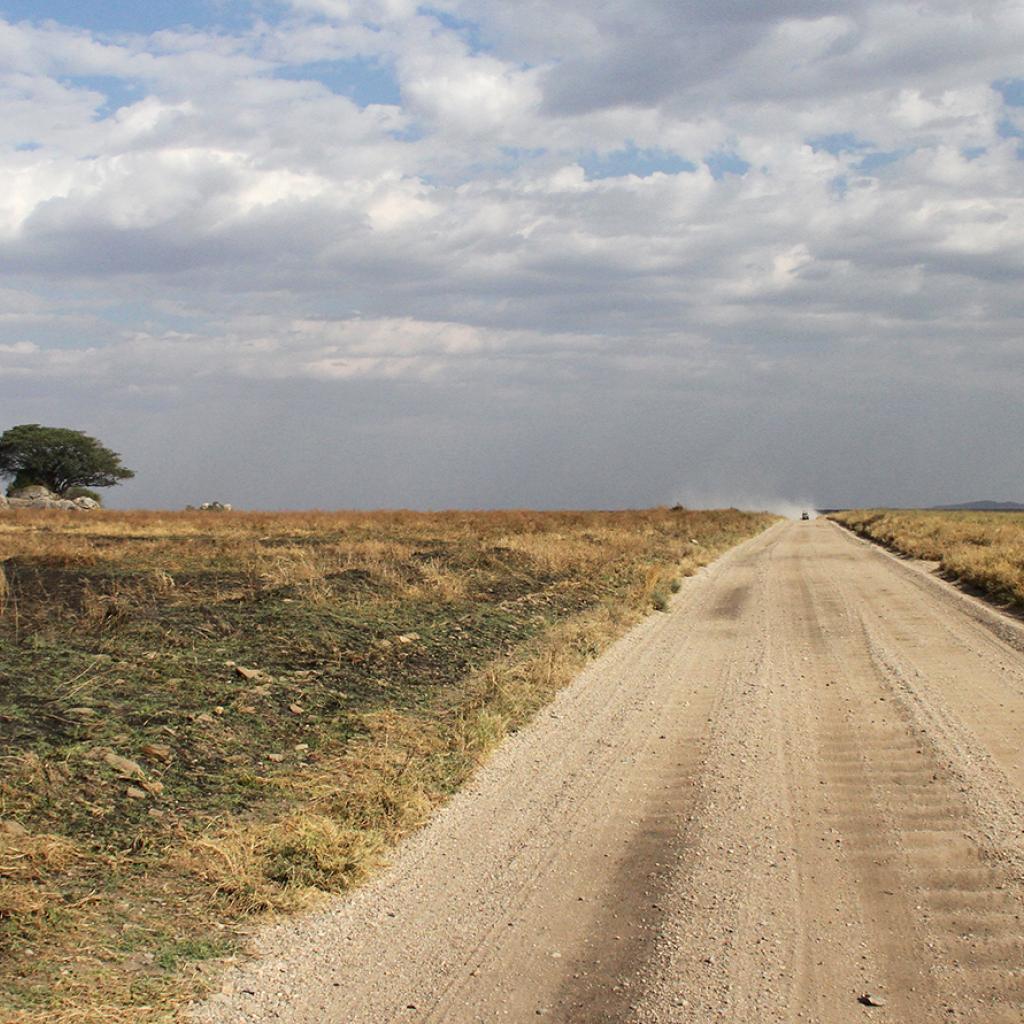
x: 135, y: 793
x: 296, y: 709
x: 219, y: 709
x: 82, y: 712
x: 204, y: 719
x: 156, y: 751
x: 154, y: 812
x: 871, y: 1000
x: 126, y: 768
x: 152, y: 786
x: 407, y: 638
x: 248, y: 674
x: 276, y: 758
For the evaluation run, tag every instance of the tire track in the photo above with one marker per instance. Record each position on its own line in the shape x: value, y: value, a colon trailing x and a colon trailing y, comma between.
x: 929, y: 820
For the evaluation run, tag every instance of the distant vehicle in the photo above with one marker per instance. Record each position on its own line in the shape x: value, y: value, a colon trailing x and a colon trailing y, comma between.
x: 805, y: 515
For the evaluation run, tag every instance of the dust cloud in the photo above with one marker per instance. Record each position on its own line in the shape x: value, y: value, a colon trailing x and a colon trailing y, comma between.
x: 790, y: 508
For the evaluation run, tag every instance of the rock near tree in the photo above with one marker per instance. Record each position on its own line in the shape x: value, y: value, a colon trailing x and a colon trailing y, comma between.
x: 38, y: 496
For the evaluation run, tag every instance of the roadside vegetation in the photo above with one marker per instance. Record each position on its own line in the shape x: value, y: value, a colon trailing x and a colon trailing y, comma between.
x: 209, y: 717
x: 983, y: 550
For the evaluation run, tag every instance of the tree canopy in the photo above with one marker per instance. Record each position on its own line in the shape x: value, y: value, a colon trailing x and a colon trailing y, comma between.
x: 58, y: 458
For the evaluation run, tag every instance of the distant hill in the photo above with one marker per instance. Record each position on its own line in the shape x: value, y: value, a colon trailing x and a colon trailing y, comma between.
x: 981, y: 506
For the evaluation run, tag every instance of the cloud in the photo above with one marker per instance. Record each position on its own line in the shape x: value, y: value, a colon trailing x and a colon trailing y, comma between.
x: 699, y: 226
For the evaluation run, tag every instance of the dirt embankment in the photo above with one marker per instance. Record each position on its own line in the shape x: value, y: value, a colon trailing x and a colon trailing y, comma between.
x: 799, y: 789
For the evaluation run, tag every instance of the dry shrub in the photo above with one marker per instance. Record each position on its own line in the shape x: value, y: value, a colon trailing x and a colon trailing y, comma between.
x: 313, y: 851
x: 20, y: 899
x: 387, y: 780
x: 4, y: 590
x: 441, y: 583
x: 28, y: 857
x: 280, y: 866
x: 299, y: 568
x: 162, y: 581
x: 385, y: 561
x: 27, y: 862
x: 651, y: 587
x: 101, y: 610
x: 230, y: 863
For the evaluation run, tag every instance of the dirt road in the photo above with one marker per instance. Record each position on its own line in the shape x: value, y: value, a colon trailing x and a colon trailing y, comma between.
x: 800, y: 786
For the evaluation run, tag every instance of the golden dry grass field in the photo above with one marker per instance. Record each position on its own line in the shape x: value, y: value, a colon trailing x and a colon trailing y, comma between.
x: 984, y: 550
x: 209, y: 717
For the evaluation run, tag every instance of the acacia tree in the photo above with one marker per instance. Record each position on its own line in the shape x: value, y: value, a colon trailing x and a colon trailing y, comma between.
x: 58, y: 458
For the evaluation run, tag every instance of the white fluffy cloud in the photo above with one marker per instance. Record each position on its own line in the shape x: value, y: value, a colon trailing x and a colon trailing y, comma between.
x: 748, y: 217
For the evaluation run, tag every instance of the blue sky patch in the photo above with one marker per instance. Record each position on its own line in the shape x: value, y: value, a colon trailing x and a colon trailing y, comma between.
x: 839, y: 186
x: 871, y: 159
x: 842, y: 142
x: 876, y: 161
x: 468, y: 30
x: 119, y: 92
x: 413, y: 132
x: 1012, y: 90
x: 641, y: 162
x: 145, y: 16
x: 1008, y: 130
x: 722, y: 163
x: 362, y: 79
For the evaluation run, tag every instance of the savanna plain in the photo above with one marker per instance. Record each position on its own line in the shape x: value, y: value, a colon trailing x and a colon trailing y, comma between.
x: 209, y: 719
x: 655, y: 767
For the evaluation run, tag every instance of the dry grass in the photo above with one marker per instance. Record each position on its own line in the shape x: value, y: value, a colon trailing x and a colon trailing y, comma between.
x: 981, y: 549
x: 155, y: 801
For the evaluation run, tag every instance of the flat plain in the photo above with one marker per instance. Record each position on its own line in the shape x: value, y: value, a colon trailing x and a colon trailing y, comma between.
x: 209, y: 719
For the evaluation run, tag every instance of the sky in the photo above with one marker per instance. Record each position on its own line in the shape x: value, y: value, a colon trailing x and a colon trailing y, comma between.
x: 375, y: 253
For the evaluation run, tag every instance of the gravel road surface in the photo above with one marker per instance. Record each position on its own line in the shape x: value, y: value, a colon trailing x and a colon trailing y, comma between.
x: 797, y: 793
